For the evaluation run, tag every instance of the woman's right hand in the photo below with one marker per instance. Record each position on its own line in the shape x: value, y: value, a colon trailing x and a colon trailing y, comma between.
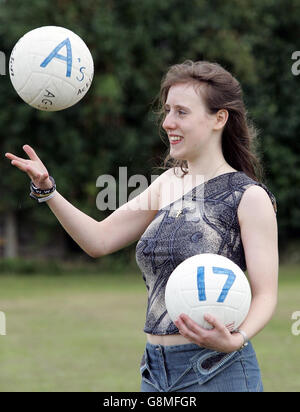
x: 33, y: 166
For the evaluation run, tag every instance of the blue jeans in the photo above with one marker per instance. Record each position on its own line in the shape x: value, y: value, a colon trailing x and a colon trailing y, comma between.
x: 190, y: 368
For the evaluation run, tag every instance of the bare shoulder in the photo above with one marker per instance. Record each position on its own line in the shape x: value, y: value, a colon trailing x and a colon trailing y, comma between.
x: 171, y: 186
x: 164, y: 179
x: 255, y: 203
x: 258, y: 227
x: 161, y: 181
x: 169, y: 174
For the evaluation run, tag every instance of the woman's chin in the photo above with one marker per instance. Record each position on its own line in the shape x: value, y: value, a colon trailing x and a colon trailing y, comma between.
x: 177, y: 155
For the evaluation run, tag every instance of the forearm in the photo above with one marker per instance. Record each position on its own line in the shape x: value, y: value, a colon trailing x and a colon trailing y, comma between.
x: 261, y: 311
x: 83, y: 229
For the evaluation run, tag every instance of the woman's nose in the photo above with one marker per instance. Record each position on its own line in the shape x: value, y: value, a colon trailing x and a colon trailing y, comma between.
x: 169, y: 122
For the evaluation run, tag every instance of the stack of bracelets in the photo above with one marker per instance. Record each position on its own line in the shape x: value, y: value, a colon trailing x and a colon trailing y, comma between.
x: 42, y: 195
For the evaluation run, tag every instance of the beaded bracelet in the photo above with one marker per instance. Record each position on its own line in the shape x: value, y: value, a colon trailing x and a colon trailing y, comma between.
x: 42, y: 195
x: 42, y: 199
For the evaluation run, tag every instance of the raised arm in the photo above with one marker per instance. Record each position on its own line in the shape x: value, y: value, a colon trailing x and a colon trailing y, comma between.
x: 122, y: 227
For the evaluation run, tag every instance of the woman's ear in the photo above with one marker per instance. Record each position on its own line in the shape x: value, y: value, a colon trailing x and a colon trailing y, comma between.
x: 221, y: 119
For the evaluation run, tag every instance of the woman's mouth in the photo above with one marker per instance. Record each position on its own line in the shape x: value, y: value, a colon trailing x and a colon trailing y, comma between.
x: 175, y: 139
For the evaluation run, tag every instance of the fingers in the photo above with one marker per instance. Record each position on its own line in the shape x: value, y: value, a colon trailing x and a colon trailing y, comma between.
x: 30, y: 152
x: 216, y: 324
x: 20, y: 164
x: 188, y: 328
x: 14, y: 157
x: 35, y: 175
x: 32, y: 166
x: 190, y: 324
x: 216, y: 338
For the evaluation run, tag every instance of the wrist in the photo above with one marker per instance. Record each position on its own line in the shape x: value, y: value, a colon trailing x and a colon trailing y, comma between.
x: 41, y: 194
x: 240, y: 338
x: 41, y: 199
x: 237, y: 341
x: 48, y: 184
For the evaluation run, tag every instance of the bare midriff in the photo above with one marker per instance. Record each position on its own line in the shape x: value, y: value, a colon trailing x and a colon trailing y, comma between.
x: 167, y: 340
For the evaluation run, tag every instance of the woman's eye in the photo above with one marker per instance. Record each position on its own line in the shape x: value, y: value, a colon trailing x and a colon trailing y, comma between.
x: 179, y: 112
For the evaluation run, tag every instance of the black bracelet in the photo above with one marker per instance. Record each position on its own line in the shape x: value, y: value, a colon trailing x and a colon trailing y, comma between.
x: 42, y: 192
x: 42, y: 198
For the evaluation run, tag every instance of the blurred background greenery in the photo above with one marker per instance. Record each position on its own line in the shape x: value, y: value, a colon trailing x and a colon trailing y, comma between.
x: 132, y: 43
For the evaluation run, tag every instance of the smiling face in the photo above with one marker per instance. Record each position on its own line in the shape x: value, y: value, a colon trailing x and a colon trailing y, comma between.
x: 188, y: 124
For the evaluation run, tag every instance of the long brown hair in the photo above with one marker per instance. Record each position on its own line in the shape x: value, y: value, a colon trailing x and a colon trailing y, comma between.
x: 220, y: 90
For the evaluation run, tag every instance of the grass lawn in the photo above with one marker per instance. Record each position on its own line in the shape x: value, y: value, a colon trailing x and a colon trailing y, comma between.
x: 278, y: 350
x: 84, y: 332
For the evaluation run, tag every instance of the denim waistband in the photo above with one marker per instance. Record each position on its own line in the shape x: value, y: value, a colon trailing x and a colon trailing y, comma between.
x: 191, y: 367
x: 173, y: 348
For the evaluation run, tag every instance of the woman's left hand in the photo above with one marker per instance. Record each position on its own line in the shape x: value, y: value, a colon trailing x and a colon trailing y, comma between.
x: 219, y: 338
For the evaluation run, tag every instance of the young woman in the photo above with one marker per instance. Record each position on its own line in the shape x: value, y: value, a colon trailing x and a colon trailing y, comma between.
x: 205, y: 120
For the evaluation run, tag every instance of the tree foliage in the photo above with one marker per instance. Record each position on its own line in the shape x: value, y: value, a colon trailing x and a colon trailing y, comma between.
x: 133, y: 43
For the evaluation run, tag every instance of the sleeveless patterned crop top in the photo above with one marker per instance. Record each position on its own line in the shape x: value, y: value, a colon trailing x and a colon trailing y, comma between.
x: 204, y: 220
